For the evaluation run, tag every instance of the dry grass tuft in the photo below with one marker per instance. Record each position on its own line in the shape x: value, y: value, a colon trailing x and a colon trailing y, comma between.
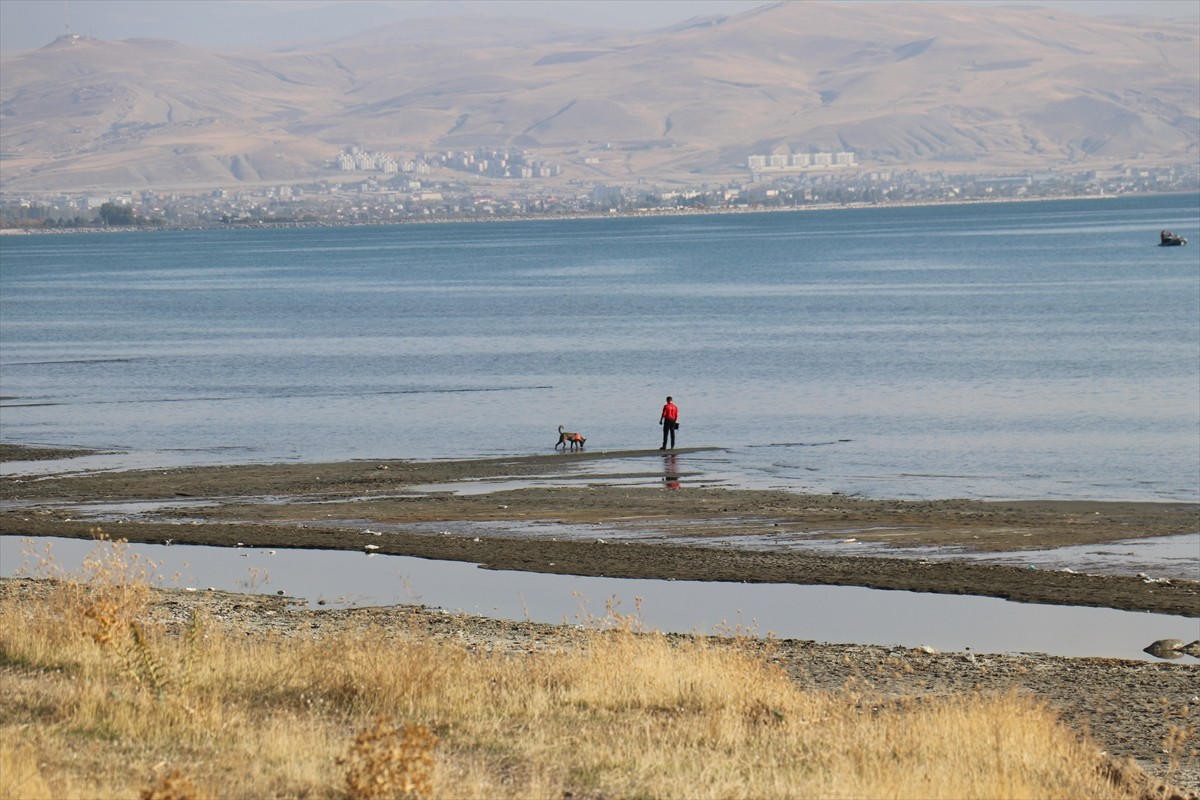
x: 388, y: 760
x: 1180, y: 741
x: 20, y: 775
x: 172, y: 785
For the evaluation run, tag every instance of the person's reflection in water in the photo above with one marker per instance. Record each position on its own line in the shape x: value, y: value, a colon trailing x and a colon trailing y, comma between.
x: 671, y: 470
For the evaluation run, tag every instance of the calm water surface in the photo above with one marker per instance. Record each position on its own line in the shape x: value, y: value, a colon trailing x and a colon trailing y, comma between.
x: 838, y: 614
x: 993, y: 351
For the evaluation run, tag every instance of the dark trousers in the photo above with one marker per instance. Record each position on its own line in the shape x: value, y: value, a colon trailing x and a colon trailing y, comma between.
x: 668, y: 430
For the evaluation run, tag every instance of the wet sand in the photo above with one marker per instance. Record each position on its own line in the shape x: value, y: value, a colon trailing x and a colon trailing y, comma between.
x: 328, y: 506
x: 1127, y: 706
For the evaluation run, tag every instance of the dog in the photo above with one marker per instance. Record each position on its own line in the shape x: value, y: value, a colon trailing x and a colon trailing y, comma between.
x: 565, y: 438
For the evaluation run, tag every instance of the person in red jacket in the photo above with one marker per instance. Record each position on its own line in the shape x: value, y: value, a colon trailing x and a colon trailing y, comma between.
x: 669, y: 419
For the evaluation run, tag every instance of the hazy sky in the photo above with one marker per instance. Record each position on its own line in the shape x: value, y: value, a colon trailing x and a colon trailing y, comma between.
x: 26, y: 24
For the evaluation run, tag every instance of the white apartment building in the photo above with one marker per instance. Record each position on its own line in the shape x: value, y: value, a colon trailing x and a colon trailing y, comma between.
x: 793, y: 161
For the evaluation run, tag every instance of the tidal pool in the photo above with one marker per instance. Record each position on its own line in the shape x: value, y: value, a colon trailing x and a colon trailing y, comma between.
x: 832, y: 614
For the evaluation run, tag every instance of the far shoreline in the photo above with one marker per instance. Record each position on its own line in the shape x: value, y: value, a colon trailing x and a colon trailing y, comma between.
x: 632, y: 214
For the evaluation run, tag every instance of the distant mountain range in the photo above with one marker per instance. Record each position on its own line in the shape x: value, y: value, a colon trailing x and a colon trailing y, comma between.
x: 921, y: 86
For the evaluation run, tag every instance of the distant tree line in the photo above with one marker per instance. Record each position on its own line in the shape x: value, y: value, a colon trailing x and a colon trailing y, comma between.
x: 109, y: 214
x: 113, y: 214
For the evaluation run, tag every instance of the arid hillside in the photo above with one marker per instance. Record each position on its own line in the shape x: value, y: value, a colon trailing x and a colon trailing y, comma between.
x: 925, y: 86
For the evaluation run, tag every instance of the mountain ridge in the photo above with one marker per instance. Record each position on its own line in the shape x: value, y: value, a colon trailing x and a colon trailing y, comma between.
x: 913, y: 86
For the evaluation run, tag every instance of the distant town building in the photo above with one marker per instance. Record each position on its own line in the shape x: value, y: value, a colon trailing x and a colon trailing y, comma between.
x: 495, y: 163
x: 355, y: 159
x: 601, y: 193
x: 782, y: 162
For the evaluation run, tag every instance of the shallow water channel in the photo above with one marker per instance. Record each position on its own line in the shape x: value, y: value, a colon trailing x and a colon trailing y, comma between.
x: 833, y: 614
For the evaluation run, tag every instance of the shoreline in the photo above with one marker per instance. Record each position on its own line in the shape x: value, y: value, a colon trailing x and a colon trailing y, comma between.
x: 558, y: 217
x: 32, y: 462
x: 1128, y: 708
x: 695, y: 530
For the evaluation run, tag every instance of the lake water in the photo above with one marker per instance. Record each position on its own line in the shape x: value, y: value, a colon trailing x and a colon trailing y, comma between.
x: 1017, y: 350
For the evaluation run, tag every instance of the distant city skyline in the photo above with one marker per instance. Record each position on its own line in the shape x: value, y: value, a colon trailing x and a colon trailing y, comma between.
x: 29, y: 24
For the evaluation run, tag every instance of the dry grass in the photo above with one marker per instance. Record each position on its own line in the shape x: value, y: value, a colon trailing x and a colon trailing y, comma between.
x: 99, y: 700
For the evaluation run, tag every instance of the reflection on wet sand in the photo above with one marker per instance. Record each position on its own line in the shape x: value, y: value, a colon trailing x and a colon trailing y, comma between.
x: 671, y: 470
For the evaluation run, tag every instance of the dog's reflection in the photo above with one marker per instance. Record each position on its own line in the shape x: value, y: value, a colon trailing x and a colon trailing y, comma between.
x: 671, y: 471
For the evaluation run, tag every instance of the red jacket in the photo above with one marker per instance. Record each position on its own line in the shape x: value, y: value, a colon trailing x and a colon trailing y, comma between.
x: 669, y: 412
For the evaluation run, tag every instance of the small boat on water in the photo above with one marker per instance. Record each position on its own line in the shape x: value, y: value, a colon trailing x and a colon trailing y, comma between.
x: 1168, y: 239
